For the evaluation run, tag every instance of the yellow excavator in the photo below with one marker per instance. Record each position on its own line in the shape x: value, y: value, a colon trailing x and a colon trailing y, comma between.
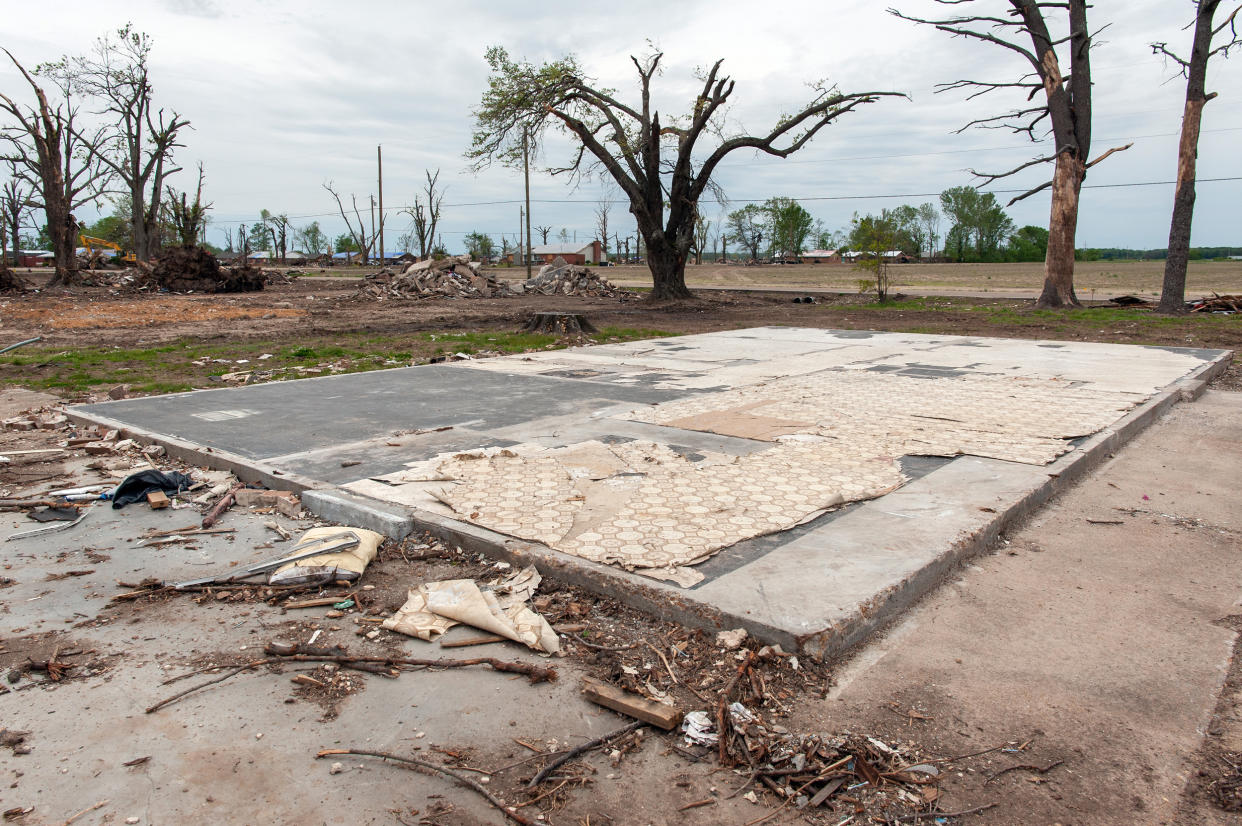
x: 95, y: 246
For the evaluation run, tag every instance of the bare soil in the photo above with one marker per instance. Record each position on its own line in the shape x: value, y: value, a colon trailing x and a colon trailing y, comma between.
x: 315, y: 311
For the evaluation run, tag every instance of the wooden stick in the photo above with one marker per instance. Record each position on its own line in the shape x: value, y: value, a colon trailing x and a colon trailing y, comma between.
x: 917, y: 816
x: 536, y: 673
x: 574, y: 752
x: 707, y: 801
x: 408, y: 762
x: 220, y: 507
x: 86, y: 811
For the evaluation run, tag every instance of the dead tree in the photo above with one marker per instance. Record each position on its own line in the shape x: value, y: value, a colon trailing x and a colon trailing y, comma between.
x: 1194, y: 69
x: 188, y: 219
x: 60, y: 163
x: 116, y: 74
x: 601, y: 224
x: 658, y: 163
x: 278, y: 229
x: 543, y: 234
x: 426, y: 214
x: 1065, y: 111
x: 14, y: 203
x: 363, y: 241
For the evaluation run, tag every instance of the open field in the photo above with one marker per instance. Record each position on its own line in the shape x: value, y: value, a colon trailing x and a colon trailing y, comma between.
x: 1105, y: 278
x: 96, y: 339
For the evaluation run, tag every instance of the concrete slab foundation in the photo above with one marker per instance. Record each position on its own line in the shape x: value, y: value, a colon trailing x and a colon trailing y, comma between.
x: 806, y: 485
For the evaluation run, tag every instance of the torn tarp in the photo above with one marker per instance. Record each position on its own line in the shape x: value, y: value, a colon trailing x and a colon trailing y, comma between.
x: 136, y: 486
x: 435, y: 607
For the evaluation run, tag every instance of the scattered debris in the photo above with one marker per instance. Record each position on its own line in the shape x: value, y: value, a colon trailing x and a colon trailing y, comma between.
x: 1217, y: 304
x: 1129, y: 301
x: 731, y: 640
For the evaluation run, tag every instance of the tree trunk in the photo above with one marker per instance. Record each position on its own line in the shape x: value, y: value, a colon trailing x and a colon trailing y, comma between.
x: 668, y: 273
x: 1062, y: 227
x: 1173, y: 291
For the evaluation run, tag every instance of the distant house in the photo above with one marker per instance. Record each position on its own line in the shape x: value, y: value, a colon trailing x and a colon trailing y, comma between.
x: 573, y: 253
x: 35, y: 258
x: 891, y: 256
x: 822, y: 257
x: 259, y: 256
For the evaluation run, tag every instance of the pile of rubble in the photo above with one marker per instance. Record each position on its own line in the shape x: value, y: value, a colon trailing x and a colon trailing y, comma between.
x: 454, y: 277
x: 560, y: 278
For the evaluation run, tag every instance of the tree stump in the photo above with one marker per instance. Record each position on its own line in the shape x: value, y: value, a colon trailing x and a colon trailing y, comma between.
x: 562, y: 324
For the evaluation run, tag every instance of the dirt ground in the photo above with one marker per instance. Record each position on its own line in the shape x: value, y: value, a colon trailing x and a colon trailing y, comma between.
x: 1093, y: 280
x: 112, y: 329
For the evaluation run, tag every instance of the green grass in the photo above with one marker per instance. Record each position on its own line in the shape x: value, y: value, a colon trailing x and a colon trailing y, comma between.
x: 186, y: 364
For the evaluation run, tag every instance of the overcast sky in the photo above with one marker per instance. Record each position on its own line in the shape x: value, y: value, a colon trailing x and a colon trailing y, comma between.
x: 286, y: 95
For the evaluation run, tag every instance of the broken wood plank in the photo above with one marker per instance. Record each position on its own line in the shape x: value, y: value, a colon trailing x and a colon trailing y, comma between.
x: 649, y: 711
x: 317, y: 602
x: 483, y: 640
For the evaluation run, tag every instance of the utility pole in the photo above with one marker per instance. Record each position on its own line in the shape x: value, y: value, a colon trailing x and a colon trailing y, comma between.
x: 526, y: 168
x: 521, y: 232
x: 379, y: 157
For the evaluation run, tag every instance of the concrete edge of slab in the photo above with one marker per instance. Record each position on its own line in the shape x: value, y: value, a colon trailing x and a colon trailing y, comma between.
x: 245, y: 469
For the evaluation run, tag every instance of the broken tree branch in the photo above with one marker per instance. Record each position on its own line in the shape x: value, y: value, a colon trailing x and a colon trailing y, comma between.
x: 574, y: 752
x: 536, y: 673
x: 412, y: 764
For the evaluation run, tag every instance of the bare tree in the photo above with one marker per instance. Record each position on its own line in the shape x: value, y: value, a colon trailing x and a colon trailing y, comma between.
x: 659, y: 165
x: 702, y: 227
x: 14, y: 203
x: 363, y: 241
x: 47, y: 151
x: 543, y: 234
x: 426, y: 213
x: 1194, y: 69
x: 601, y: 225
x: 1066, y: 107
x: 278, y: 228
x: 116, y: 73
x: 188, y: 219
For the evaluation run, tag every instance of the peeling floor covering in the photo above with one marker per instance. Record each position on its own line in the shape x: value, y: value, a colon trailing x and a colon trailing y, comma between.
x: 825, y: 417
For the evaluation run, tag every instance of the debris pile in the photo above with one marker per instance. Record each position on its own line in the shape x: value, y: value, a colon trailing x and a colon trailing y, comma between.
x: 455, y: 277
x: 560, y: 278
x: 1217, y: 304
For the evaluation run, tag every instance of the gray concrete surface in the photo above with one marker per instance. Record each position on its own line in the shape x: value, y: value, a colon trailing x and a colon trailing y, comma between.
x: 819, y: 591
x: 1104, y: 644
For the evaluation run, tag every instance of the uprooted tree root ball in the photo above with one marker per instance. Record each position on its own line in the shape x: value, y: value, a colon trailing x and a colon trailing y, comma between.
x: 186, y: 269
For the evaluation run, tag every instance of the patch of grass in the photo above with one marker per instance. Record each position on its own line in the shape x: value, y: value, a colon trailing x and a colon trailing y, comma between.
x: 188, y: 364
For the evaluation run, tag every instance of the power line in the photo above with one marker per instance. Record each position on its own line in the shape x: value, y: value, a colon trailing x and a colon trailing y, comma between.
x: 511, y: 202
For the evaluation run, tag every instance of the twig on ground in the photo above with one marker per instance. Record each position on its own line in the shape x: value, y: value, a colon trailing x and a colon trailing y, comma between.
x: 86, y: 811
x: 1027, y: 767
x: 536, y: 673
x: 917, y: 816
x: 412, y: 763
x: 577, y: 750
